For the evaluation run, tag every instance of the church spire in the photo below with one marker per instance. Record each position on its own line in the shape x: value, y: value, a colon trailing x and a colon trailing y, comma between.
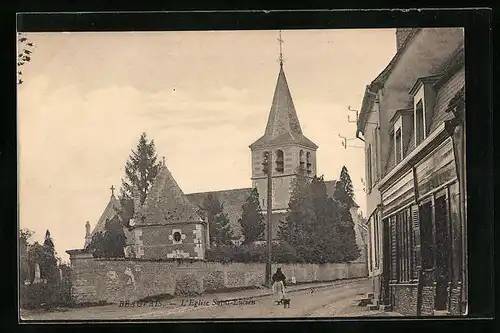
x: 283, y: 125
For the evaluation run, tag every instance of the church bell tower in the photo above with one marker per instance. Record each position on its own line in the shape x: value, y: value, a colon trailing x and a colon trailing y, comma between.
x: 284, y: 146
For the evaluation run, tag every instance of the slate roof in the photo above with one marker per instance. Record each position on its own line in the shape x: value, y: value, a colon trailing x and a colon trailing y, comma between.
x: 439, y: 114
x: 166, y: 203
x: 283, y: 125
x: 232, y: 202
x: 108, y: 213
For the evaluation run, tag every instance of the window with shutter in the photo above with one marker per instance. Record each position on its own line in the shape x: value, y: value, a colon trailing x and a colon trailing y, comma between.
x: 377, y: 171
x: 417, y: 260
x: 394, y: 250
x: 376, y: 240
x: 369, y: 168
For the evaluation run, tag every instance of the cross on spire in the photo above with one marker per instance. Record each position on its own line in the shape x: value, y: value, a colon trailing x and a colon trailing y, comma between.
x: 112, y: 188
x: 280, y: 40
x: 164, y: 160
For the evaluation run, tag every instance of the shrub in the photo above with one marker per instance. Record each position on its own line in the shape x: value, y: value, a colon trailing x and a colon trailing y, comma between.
x: 285, y: 253
x: 187, y: 285
x: 45, y: 295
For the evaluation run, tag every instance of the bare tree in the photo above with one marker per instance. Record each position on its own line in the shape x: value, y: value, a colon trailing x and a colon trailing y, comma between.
x: 24, y: 51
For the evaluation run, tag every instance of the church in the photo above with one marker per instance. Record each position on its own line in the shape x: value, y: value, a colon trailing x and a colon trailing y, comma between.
x: 167, y: 225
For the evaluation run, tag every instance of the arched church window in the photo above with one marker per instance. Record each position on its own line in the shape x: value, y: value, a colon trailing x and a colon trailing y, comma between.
x: 280, y: 165
x: 301, y: 160
x: 308, y: 162
x: 265, y: 162
x: 177, y: 236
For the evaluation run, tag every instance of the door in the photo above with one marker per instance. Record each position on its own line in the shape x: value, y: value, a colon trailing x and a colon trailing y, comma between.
x: 443, y: 252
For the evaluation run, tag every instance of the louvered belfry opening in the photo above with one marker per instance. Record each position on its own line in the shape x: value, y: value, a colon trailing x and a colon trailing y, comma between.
x: 308, y: 163
x: 280, y: 166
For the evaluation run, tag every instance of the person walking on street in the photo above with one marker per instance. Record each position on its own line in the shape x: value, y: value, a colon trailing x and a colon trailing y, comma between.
x: 278, y: 280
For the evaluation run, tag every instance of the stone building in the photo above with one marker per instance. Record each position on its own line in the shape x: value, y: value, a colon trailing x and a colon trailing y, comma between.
x: 290, y: 151
x: 414, y: 170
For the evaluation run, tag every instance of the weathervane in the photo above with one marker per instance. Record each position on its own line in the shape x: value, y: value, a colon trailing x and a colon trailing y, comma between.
x: 280, y: 40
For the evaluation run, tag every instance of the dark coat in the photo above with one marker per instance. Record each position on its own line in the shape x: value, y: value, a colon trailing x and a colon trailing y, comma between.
x: 279, y: 276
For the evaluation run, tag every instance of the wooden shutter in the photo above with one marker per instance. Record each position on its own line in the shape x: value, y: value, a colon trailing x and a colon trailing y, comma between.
x: 394, y: 248
x: 417, y: 259
x: 377, y: 171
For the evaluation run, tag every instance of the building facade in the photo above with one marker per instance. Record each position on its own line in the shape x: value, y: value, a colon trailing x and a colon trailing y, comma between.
x: 415, y: 165
x: 167, y: 225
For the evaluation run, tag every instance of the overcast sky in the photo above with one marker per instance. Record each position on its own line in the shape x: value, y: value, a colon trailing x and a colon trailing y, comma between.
x: 202, y: 96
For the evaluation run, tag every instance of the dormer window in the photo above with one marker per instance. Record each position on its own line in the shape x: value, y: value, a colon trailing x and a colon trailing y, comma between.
x: 402, y: 123
x: 424, y: 96
x: 280, y: 167
x: 420, y: 132
x: 398, y: 145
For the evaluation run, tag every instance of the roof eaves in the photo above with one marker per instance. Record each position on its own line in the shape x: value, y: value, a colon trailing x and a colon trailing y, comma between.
x: 366, y: 107
x: 382, y: 77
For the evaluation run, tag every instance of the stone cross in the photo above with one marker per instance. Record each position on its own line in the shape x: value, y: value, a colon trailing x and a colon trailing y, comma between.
x: 112, y: 188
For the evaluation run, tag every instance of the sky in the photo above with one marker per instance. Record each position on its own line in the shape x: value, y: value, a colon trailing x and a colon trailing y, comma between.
x: 202, y: 96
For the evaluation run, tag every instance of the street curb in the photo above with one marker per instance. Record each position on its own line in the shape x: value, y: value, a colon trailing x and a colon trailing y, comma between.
x: 333, y: 283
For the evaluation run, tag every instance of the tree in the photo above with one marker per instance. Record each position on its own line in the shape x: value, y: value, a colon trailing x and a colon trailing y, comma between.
x: 252, y: 221
x: 141, y: 169
x: 24, y: 51
x: 114, y: 238
x: 316, y: 227
x: 110, y: 242
x: 36, y: 255
x: 298, y: 229
x: 97, y: 245
x: 346, y: 183
x: 24, y: 263
x: 218, y: 222
x: 49, y: 264
x: 345, y: 223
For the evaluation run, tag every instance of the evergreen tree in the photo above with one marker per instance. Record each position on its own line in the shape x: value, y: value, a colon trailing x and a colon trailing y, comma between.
x: 218, y: 222
x: 345, y: 223
x: 346, y: 182
x: 297, y: 231
x: 252, y: 221
x: 141, y: 169
x: 49, y: 264
x: 114, y: 238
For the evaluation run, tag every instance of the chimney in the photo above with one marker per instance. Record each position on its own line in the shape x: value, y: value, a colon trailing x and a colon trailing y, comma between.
x: 401, y: 35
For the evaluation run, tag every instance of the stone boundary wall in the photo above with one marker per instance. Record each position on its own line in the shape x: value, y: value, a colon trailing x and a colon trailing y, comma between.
x: 113, y: 281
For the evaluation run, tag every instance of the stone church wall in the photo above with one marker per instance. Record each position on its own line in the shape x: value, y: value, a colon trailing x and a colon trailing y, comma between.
x: 130, y: 280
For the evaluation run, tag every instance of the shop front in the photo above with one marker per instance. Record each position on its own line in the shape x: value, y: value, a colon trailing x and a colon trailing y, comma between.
x: 421, y: 218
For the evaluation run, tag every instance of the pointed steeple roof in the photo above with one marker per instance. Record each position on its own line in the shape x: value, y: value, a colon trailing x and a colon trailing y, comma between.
x: 283, y: 125
x: 166, y: 203
x: 109, y: 213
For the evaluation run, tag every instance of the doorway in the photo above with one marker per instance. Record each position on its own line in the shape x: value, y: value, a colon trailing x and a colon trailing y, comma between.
x: 443, y: 252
